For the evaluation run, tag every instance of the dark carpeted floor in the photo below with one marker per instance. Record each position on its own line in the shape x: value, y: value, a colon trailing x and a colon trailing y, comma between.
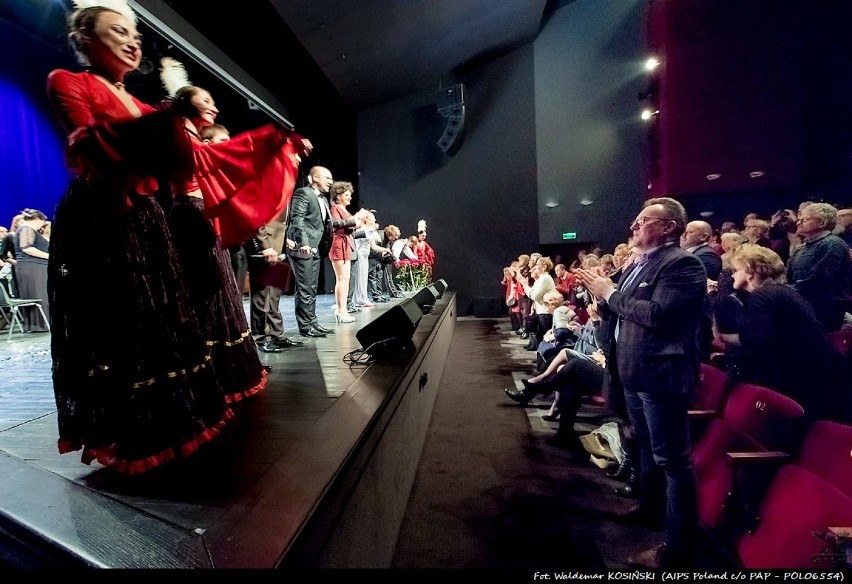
x: 489, y: 493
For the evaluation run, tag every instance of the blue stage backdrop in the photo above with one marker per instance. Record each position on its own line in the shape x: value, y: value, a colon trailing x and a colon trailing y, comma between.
x: 31, y: 154
x: 32, y: 164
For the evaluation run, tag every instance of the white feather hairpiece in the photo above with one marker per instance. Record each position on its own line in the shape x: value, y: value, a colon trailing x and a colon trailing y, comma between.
x: 119, y: 6
x: 173, y: 75
x: 421, y: 225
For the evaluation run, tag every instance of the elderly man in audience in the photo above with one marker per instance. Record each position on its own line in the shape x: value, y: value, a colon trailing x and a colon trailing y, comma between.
x: 696, y: 240
x: 819, y: 268
x: 656, y: 312
x: 563, y: 280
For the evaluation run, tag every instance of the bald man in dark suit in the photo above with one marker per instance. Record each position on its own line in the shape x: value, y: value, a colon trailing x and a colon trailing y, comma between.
x: 310, y: 229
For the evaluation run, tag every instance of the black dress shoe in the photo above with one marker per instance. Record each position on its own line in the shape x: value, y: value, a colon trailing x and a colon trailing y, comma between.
x: 269, y: 347
x: 323, y: 330
x: 659, y: 558
x: 521, y: 396
x: 630, y: 489
x: 286, y: 343
x: 534, y: 389
x: 312, y: 333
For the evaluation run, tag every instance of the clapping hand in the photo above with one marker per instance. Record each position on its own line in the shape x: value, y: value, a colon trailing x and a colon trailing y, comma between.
x: 596, y: 283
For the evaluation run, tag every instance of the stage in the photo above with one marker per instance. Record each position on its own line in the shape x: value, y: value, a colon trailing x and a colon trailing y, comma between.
x: 313, y: 472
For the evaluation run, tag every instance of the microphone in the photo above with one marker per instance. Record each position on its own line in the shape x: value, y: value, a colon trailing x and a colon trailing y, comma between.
x: 281, y: 257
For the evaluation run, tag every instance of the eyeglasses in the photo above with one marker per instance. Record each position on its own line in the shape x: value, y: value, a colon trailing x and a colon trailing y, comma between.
x: 640, y: 221
x: 803, y: 219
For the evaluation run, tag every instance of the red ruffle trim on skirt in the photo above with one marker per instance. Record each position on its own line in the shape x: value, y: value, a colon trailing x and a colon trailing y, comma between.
x: 107, y: 457
x: 241, y: 395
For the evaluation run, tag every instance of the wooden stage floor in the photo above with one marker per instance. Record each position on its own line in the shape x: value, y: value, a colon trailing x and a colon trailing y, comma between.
x: 237, y: 503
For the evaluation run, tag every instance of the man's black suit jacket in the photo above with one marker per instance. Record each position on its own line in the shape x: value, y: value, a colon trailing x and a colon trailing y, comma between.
x: 658, y: 316
x: 711, y: 260
x: 307, y: 226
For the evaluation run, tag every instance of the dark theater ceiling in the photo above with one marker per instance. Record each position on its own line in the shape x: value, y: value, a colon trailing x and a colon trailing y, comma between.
x: 371, y: 51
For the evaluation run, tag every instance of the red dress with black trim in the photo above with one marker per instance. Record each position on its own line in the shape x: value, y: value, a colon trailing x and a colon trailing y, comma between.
x: 244, y: 183
x: 131, y: 367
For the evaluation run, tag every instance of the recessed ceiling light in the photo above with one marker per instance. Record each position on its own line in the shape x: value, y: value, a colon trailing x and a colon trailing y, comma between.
x: 756, y: 173
x: 586, y: 202
x: 551, y: 204
x: 706, y: 213
x: 713, y: 176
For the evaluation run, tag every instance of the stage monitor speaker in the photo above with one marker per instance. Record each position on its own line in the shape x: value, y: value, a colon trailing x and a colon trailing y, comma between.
x: 392, y: 330
x: 440, y: 286
x: 426, y: 298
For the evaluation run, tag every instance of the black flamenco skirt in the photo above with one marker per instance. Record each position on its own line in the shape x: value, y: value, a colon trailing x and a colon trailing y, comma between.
x: 216, y: 300
x: 132, y: 374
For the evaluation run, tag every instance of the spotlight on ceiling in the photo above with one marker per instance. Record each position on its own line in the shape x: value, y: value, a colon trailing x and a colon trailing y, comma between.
x: 706, y: 214
x: 586, y: 202
x: 551, y: 204
x: 648, y: 114
x: 714, y: 176
x: 651, y: 63
x: 756, y: 173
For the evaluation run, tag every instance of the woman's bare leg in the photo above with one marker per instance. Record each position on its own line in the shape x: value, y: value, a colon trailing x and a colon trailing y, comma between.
x: 341, y: 283
x: 560, y: 359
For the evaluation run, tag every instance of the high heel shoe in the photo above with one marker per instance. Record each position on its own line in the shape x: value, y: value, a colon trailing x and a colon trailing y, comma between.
x: 554, y: 417
x: 342, y: 317
x: 534, y: 389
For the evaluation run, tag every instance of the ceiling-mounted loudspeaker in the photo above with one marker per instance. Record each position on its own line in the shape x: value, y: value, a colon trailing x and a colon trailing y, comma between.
x: 451, y: 106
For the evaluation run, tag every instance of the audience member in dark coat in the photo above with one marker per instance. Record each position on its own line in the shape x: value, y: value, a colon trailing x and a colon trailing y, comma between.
x: 819, y: 268
x: 784, y: 346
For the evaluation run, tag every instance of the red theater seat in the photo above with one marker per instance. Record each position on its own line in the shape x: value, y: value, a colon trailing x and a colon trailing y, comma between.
x: 805, y: 500
x: 755, y: 419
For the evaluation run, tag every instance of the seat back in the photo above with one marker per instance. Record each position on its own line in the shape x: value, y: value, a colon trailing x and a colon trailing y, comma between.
x: 771, y: 419
x: 712, y: 388
x: 805, y: 498
x: 713, y: 472
x: 827, y: 453
x: 754, y: 419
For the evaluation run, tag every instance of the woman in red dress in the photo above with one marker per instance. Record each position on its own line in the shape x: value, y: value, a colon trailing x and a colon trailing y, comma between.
x: 425, y: 253
x: 206, y: 262
x: 133, y: 375
x: 342, y: 245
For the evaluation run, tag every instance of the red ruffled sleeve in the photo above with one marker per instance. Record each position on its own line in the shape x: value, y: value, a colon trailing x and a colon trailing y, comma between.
x: 106, y: 141
x: 248, y: 181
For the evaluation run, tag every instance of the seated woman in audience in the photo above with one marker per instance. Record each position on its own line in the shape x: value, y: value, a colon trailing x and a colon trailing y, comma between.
x: 784, y: 346
x: 560, y: 335
x: 588, y: 340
